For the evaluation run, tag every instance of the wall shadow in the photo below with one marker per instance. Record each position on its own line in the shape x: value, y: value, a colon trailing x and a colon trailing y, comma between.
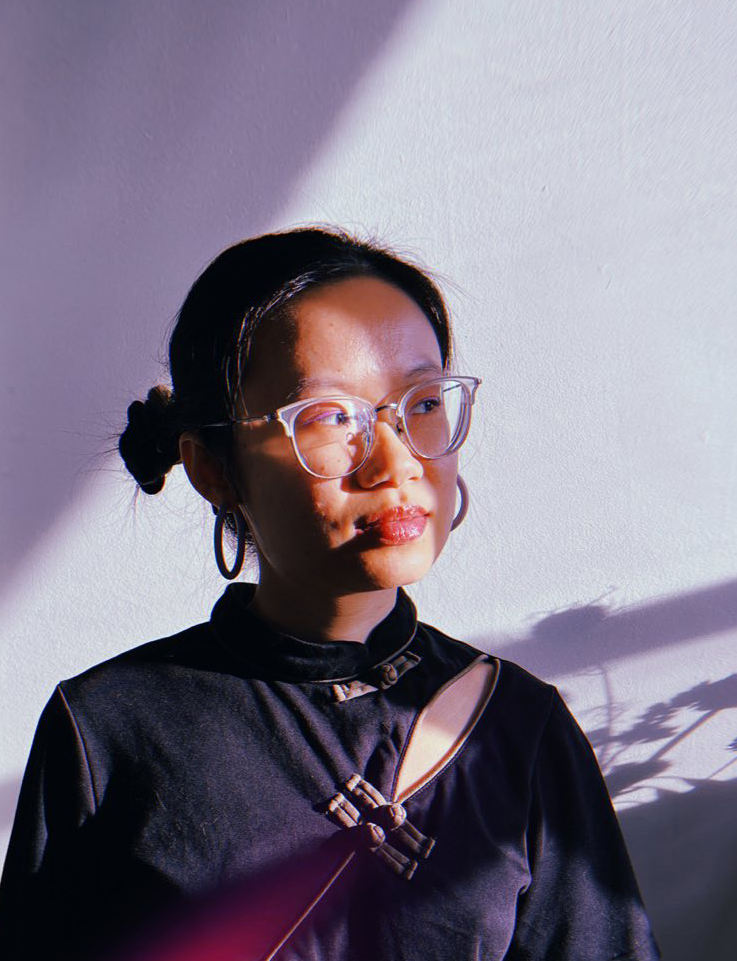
x: 140, y: 139
x: 683, y: 844
x: 578, y: 638
x: 672, y: 841
x: 660, y: 724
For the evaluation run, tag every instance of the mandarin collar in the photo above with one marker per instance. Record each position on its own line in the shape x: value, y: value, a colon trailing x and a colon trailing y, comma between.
x: 269, y: 654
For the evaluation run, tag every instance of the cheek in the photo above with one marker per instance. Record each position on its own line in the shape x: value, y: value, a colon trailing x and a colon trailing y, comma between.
x: 328, y: 505
x: 286, y: 503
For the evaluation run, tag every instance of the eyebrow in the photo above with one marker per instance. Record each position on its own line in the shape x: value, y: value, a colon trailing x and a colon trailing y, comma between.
x: 322, y: 383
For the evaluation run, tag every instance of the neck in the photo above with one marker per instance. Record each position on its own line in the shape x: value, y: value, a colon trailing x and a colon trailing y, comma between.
x: 346, y: 617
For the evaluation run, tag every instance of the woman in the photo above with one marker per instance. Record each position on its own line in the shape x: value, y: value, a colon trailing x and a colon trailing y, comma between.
x: 192, y: 797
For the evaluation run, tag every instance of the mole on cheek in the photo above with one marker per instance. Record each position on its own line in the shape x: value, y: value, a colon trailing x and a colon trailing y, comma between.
x: 322, y: 512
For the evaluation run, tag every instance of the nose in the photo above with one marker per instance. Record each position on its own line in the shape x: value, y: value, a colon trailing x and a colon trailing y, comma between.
x: 390, y: 460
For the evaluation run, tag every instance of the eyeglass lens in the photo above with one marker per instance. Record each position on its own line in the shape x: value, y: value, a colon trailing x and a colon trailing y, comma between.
x: 332, y: 436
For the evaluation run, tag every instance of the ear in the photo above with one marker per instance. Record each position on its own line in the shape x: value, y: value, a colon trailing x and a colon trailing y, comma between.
x: 206, y: 471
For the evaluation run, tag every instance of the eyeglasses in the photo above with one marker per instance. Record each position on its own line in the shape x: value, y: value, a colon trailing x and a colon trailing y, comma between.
x: 332, y: 436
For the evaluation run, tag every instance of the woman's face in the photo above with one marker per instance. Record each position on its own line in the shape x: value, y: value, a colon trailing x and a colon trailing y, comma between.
x: 364, y: 337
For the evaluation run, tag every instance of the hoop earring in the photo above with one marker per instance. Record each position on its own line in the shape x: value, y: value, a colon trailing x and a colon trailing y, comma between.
x: 465, y: 498
x: 240, y: 552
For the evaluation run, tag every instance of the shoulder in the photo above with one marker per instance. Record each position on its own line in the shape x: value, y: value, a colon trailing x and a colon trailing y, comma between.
x: 144, y: 673
x: 163, y: 650
x: 514, y: 682
x: 522, y: 706
x: 134, y: 708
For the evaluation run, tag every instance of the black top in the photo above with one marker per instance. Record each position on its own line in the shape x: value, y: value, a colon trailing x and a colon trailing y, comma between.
x: 173, y: 807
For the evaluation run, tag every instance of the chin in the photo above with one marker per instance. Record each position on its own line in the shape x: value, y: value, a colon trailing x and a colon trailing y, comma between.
x: 395, y: 567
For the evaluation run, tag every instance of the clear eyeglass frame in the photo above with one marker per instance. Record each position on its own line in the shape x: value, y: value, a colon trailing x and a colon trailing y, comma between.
x: 287, y: 416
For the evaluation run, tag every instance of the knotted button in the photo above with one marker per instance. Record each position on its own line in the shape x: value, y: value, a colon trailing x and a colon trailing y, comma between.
x: 381, y: 677
x: 389, y: 674
x: 389, y: 816
x: 374, y: 821
x: 370, y: 835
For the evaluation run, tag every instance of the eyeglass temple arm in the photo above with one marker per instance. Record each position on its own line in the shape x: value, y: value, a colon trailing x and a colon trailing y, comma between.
x: 242, y: 420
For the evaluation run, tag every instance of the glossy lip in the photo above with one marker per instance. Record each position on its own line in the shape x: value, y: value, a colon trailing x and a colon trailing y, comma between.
x: 394, y: 525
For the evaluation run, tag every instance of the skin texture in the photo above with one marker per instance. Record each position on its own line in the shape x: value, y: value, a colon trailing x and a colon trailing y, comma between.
x: 320, y: 577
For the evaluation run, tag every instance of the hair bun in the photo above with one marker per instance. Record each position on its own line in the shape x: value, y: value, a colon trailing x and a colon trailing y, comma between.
x: 149, y: 445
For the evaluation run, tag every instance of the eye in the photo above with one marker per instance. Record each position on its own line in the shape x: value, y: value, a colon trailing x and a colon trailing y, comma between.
x: 337, y: 418
x: 426, y: 405
x: 325, y: 415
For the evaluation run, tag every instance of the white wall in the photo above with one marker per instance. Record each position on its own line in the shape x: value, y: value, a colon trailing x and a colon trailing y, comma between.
x: 569, y: 169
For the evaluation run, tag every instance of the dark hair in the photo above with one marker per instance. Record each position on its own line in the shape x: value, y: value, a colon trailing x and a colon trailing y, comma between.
x: 210, y: 345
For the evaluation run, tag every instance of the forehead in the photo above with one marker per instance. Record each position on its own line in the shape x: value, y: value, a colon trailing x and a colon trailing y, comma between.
x: 359, y: 335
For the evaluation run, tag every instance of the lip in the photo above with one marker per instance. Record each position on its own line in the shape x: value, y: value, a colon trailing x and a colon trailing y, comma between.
x: 394, y: 525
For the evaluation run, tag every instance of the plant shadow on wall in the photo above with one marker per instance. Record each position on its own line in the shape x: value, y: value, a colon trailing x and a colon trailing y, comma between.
x: 662, y: 723
x: 683, y: 839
